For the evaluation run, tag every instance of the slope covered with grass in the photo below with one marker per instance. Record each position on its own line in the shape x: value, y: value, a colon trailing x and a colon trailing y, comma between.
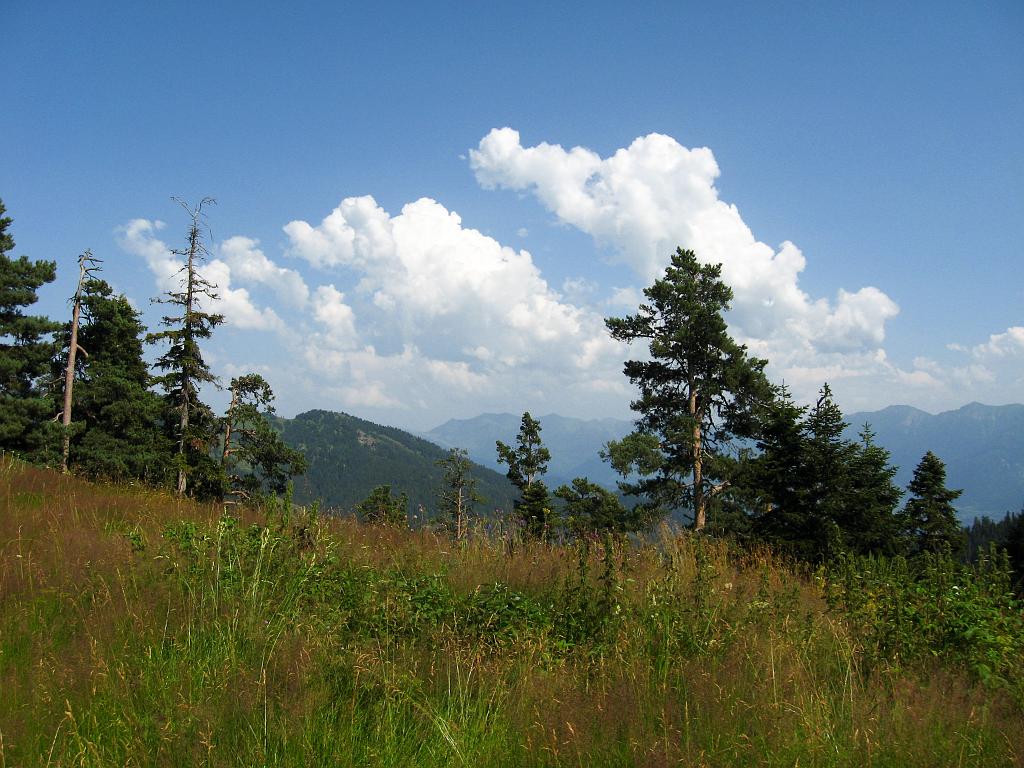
x: 139, y: 630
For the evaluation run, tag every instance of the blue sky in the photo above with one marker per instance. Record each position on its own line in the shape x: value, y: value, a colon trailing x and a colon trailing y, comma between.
x: 424, y: 211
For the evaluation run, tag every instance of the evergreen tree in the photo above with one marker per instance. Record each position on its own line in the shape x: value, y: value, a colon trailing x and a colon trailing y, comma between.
x: 526, y: 463
x: 1014, y: 544
x: 698, y: 391
x: 254, y: 458
x: 382, y: 508
x: 457, y: 497
x: 818, y: 493
x: 589, y: 508
x: 116, y: 432
x: 25, y: 349
x: 187, y: 420
x: 929, y: 516
x: 869, y: 521
x: 779, y: 478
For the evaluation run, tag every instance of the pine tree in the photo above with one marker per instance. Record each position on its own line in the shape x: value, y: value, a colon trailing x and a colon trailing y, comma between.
x: 25, y: 349
x: 589, y: 508
x: 457, y: 496
x: 189, y: 421
x: 818, y: 493
x: 929, y: 515
x: 870, y: 522
x: 526, y: 463
x: 698, y: 391
x: 778, y: 478
x: 116, y: 432
x: 381, y: 508
x: 254, y: 457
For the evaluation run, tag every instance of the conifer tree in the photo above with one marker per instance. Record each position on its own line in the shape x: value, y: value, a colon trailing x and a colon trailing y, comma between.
x: 526, y: 463
x: 589, y: 508
x: 25, y: 348
x: 698, y: 390
x: 116, y: 432
x: 187, y: 420
x: 457, y: 497
x: 779, y: 477
x: 819, y: 494
x: 254, y: 457
x: 870, y: 520
x: 929, y: 514
x: 382, y: 508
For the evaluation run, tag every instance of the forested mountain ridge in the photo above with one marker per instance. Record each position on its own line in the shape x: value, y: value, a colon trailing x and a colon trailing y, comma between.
x: 348, y: 457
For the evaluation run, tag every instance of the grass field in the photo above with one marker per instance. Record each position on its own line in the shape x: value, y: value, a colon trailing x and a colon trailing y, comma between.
x: 136, y: 629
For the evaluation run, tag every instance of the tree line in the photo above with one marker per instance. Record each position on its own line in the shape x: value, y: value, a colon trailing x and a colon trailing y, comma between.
x: 80, y: 394
x: 715, y: 442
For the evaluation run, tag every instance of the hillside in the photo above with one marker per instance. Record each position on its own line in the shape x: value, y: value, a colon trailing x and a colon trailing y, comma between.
x: 141, y: 629
x: 349, y: 456
x: 981, y: 445
x: 574, y: 443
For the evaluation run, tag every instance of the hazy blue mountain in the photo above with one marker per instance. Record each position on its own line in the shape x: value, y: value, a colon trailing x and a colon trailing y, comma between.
x: 349, y: 456
x: 981, y: 445
x: 574, y: 443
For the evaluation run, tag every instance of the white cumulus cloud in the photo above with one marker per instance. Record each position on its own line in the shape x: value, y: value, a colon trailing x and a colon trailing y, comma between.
x: 654, y: 195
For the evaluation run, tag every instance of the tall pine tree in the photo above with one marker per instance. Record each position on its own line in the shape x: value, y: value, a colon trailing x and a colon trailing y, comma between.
x: 116, y: 429
x: 254, y: 457
x: 698, y: 390
x: 526, y: 463
x: 25, y: 349
x: 187, y: 419
x: 929, y: 515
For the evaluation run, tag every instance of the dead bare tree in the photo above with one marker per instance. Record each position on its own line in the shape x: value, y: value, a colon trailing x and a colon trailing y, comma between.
x: 87, y: 266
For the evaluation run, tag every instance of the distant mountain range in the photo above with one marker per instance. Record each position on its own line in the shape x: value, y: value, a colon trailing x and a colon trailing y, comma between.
x: 574, y: 443
x: 348, y: 457
x: 982, y: 446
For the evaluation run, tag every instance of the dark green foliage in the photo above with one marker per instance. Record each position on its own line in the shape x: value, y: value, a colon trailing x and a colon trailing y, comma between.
x: 869, y: 518
x: 116, y: 428
x: 1014, y: 544
x: 698, y: 391
x: 533, y: 509
x: 930, y: 517
x: 526, y: 463
x: 348, y: 457
x: 903, y: 611
x: 25, y: 349
x: 984, y: 531
x: 589, y: 509
x: 255, y: 458
x: 382, y: 508
x: 817, y: 494
x: 529, y: 459
x: 457, y: 497
x: 187, y: 419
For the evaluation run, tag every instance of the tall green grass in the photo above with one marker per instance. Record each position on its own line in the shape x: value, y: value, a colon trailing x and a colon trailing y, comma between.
x: 139, y: 630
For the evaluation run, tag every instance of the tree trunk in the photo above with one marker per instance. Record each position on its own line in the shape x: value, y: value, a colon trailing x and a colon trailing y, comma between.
x: 193, y: 245
x: 69, y: 374
x: 699, y: 503
x: 69, y: 379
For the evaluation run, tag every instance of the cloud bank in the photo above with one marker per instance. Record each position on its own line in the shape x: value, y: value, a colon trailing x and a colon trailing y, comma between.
x: 414, y: 317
